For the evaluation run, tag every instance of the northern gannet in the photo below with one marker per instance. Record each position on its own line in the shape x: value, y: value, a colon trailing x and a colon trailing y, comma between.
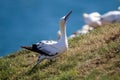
x: 52, y: 50
x: 110, y: 17
x: 85, y: 29
x: 92, y: 19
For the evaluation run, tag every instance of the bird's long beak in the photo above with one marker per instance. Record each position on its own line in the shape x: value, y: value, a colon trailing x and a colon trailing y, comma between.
x: 67, y: 16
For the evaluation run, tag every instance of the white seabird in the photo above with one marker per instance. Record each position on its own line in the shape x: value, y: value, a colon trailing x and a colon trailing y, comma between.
x: 52, y: 50
x: 85, y: 29
x: 110, y: 17
x: 92, y: 19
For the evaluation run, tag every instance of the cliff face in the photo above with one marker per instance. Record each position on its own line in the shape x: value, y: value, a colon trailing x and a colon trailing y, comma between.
x: 93, y: 56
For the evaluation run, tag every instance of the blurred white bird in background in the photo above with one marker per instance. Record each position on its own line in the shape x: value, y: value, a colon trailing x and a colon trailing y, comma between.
x: 85, y: 29
x: 92, y: 19
x: 110, y: 17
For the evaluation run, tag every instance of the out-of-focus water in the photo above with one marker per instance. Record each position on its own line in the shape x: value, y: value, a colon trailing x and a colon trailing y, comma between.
x: 23, y: 22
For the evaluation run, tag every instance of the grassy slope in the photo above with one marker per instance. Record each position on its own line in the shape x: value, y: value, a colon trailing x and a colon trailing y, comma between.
x: 94, y: 56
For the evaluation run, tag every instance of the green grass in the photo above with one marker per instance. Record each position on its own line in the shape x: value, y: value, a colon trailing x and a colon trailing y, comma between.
x: 93, y: 56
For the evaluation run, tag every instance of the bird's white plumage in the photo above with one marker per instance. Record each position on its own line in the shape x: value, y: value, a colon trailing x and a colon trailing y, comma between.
x: 50, y: 41
x: 53, y: 47
x: 110, y: 17
x: 46, y: 42
x: 58, y: 35
x: 119, y: 8
x: 92, y: 19
x: 85, y: 29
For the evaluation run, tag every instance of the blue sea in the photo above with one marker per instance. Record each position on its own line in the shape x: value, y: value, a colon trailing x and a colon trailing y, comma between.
x: 23, y: 22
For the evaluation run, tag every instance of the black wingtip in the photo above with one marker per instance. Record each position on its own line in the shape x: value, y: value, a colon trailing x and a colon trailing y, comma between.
x: 22, y: 46
x: 27, y: 47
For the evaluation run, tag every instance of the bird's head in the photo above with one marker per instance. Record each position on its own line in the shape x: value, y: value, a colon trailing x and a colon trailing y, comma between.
x: 64, y: 19
x: 85, y: 15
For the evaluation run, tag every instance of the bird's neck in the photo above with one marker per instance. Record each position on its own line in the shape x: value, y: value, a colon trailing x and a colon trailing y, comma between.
x: 63, y: 31
x: 63, y: 38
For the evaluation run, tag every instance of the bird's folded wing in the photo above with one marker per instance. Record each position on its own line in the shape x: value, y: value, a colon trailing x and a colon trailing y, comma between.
x: 48, y: 42
x: 49, y: 50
